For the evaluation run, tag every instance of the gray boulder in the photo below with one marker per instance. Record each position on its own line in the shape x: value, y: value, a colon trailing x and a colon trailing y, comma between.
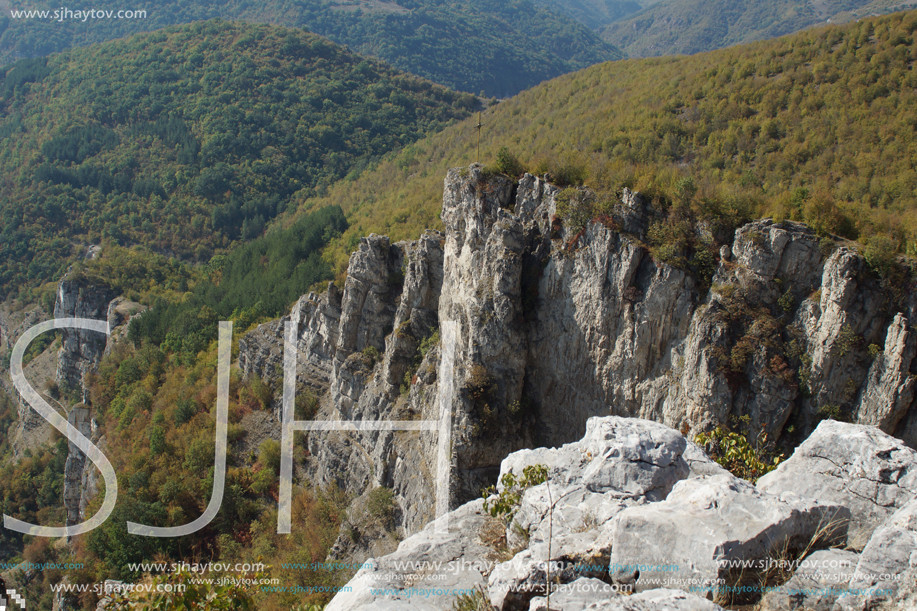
x: 628, y: 458
x: 425, y: 569
x: 590, y: 596
x: 620, y: 462
x: 854, y: 465
x: 713, y: 531
x: 888, y: 558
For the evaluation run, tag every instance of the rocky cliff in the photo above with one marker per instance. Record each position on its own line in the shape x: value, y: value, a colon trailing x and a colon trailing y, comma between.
x: 80, y: 354
x: 557, y: 325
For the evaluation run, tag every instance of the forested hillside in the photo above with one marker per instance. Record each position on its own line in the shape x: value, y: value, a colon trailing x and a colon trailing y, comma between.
x: 693, y: 26
x: 189, y: 139
x: 498, y: 46
x: 595, y: 14
x: 818, y: 126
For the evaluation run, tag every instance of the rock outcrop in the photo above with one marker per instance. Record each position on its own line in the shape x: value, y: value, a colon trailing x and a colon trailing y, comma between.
x: 81, y: 353
x: 425, y: 569
x: 557, y: 324
x: 709, y: 527
x: 81, y: 350
x: 622, y: 512
x: 857, y: 466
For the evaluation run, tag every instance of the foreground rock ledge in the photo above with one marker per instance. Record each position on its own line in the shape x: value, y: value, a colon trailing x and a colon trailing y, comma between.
x: 633, y: 492
x: 855, y: 465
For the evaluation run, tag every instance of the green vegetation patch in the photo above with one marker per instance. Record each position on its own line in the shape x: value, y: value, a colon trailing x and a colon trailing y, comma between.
x: 189, y: 139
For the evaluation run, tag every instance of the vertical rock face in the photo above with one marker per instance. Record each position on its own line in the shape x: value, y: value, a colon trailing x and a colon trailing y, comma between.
x: 81, y: 350
x: 889, y: 389
x: 556, y: 326
x: 79, y: 417
x: 482, y: 294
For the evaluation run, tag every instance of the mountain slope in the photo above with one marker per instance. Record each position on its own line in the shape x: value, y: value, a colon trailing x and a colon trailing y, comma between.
x: 595, y: 14
x: 692, y: 26
x: 500, y: 47
x: 818, y: 126
x: 189, y: 138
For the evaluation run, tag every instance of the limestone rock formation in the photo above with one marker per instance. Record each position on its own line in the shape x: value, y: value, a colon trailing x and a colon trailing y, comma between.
x: 445, y: 555
x: 622, y: 511
x: 556, y: 325
x: 855, y: 465
x: 886, y: 562
x: 707, y: 525
x: 586, y: 595
x: 81, y: 353
x: 81, y: 350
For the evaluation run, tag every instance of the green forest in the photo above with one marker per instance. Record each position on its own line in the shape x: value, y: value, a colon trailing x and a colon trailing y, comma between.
x: 189, y: 139
x: 499, y: 47
x: 817, y: 127
x: 595, y: 14
x: 162, y: 383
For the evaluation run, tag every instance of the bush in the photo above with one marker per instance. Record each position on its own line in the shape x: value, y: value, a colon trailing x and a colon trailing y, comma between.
x: 185, y: 410
x: 787, y: 302
x: 380, y: 503
x: 574, y: 207
x: 507, y: 502
x: 847, y: 340
x: 880, y: 254
x: 269, y: 455
x: 507, y: 163
x: 427, y: 343
x: 372, y: 353
x: 733, y: 452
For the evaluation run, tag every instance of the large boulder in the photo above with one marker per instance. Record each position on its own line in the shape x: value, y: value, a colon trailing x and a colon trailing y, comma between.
x: 425, y: 570
x: 886, y: 562
x: 854, y: 465
x: 716, y: 531
x: 628, y: 458
x: 620, y: 462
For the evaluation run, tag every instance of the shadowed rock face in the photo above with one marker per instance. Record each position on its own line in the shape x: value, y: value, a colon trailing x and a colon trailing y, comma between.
x: 556, y: 326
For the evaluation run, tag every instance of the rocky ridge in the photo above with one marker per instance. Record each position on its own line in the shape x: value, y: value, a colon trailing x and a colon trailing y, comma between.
x: 556, y: 326
x: 80, y: 354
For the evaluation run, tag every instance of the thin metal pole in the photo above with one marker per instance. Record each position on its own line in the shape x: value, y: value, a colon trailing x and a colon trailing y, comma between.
x: 479, y: 126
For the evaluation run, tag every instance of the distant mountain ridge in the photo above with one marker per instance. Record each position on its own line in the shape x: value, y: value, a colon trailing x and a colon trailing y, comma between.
x: 692, y: 26
x: 497, y: 46
x: 596, y: 14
